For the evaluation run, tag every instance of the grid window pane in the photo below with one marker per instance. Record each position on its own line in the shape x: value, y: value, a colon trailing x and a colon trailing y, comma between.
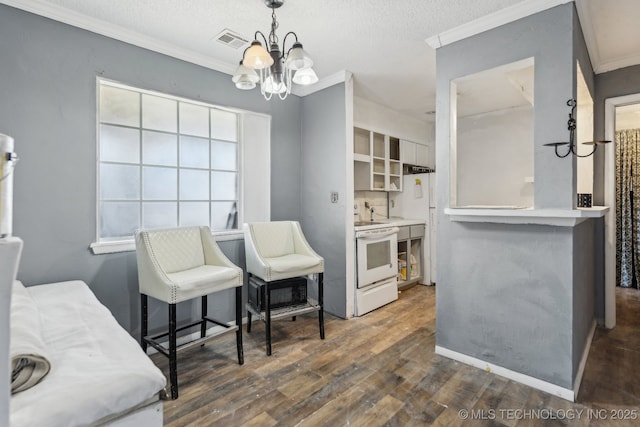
x: 159, y: 183
x: 224, y: 215
x: 194, y: 120
x: 164, y: 161
x: 194, y: 184
x: 194, y: 213
x: 223, y: 185
x: 159, y: 113
x: 119, y: 182
x: 194, y: 152
x: 118, y: 144
x: 159, y: 214
x: 119, y: 106
x: 159, y: 148
x: 224, y: 125
x: 119, y: 219
x: 224, y: 155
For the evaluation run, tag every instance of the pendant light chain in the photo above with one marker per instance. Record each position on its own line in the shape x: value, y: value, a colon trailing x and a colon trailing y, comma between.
x: 273, y: 38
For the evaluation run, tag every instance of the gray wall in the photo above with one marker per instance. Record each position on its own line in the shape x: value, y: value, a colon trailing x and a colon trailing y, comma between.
x: 505, y: 292
x: 588, y: 247
x: 621, y: 82
x: 323, y: 171
x: 48, y: 104
x: 504, y: 297
x: 584, y: 281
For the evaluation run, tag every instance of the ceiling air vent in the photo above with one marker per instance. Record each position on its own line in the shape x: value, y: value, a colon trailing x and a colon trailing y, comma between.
x: 231, y: 39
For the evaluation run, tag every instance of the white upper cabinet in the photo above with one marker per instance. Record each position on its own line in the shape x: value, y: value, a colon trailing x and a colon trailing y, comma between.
x: 377, y: 163
x: 422, y: 155
x: 408, y: 152
x: 413, y: 153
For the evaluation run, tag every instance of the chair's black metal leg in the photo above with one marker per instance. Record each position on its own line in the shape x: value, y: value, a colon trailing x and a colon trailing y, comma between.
x: 249, y: 311
x: 203, y: 325
x: 321, y: 303
x: 239, y: 324
x: 267, y: 301
x: 173, y: 362
x: 293, y: 318
x: 144, y: 325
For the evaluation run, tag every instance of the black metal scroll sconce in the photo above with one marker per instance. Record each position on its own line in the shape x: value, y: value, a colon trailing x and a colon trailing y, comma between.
x: 571, y: 125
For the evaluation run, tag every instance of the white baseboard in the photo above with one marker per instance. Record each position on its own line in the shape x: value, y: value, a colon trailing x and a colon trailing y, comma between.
x: 583, y: 360
x: 527, y: 380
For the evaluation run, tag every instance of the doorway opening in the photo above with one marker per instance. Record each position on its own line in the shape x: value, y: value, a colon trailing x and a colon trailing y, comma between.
x: 625, y: 107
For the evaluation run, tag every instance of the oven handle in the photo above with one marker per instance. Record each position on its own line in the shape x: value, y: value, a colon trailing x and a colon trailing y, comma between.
x: 376, y: 234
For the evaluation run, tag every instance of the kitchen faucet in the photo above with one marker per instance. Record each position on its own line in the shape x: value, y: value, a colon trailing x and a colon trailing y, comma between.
x: 368, y: 206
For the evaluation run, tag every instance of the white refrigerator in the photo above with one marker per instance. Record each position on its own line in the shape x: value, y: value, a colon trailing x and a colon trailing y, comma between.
x: 417, y: 201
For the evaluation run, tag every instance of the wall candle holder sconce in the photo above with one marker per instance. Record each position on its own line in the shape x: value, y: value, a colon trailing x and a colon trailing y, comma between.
x: 571, y: 125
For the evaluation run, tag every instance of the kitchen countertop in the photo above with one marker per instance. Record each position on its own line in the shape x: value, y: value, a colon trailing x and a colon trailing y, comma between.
x: 393, y: 221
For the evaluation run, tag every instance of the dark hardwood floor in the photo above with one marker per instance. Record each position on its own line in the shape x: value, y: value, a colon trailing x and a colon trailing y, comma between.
x: 381, y: 370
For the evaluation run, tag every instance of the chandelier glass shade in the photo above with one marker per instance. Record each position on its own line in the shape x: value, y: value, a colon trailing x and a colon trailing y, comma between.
x: 275, y: 70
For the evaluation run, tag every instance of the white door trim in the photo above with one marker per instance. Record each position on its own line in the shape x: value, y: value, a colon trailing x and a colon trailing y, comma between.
x: 610, y: 105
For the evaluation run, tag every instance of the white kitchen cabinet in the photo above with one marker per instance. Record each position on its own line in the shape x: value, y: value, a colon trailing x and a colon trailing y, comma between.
x: 377, y: 165
x: 416, y: 154
x: 422, y: 155
x: 408, y: 152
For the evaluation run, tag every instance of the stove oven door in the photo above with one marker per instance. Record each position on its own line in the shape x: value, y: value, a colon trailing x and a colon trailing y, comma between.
x: 377, y: 255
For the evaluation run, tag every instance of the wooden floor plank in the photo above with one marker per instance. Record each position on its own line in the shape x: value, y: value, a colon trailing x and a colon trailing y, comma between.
x: 381, y: 370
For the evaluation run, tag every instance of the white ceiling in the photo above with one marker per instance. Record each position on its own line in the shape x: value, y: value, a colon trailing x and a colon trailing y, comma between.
x: 381, y: 42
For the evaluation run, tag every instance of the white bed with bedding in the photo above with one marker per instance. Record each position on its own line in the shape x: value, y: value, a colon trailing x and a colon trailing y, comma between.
x: 98, y: 373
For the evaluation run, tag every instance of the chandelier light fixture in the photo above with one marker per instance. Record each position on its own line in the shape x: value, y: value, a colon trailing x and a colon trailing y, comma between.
x: 571, y: 126
x: 275, y: 70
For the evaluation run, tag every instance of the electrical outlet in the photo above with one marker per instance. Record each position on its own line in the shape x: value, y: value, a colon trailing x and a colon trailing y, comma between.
x: 334, y: 197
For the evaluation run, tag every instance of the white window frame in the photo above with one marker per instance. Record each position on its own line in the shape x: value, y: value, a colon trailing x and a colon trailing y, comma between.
x: 254, y: 169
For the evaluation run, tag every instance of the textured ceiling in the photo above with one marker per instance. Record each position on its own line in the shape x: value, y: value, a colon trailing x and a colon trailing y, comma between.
x: 381, y: 42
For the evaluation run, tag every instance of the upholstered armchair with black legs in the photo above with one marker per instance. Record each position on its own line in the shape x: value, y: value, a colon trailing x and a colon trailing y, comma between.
x: 277, y: 252
x: 179, y: 264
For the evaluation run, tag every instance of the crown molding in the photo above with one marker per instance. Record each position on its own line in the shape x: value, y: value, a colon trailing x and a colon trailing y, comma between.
x: 491, y: 21
x: 589, y: 32
x: 333, y: 79
x: 116, y: 32
x: 599, y: 65
x: 626, y: 61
